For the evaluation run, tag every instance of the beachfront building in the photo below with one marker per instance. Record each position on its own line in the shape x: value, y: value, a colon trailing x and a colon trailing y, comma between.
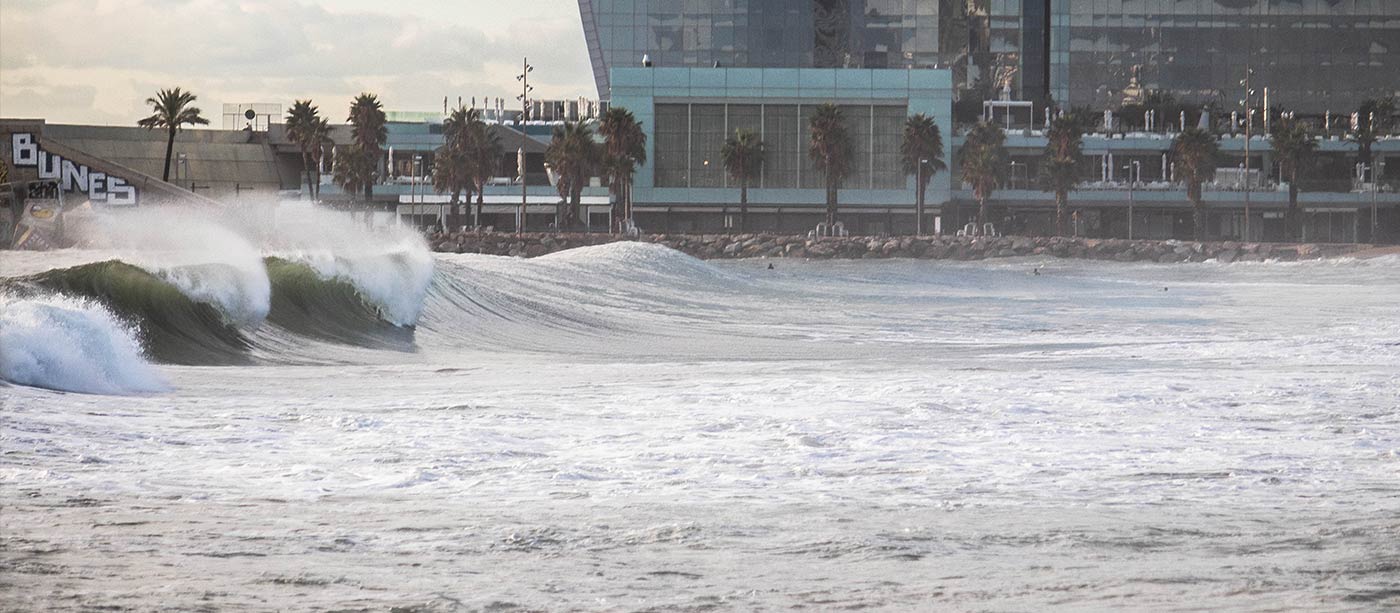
x: 688, y: 113
x: 694, y: 71
x: 1313, y: 55
x: 974, y: 40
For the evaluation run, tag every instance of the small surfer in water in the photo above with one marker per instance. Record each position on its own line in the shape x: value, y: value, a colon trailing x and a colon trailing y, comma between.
x: 1036, y: 272
x: 770, y: 266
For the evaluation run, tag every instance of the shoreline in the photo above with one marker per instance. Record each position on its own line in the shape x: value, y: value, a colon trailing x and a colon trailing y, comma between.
x: 760, y: 245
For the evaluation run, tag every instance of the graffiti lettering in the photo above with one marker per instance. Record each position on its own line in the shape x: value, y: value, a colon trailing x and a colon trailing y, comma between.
x: 100, y: 188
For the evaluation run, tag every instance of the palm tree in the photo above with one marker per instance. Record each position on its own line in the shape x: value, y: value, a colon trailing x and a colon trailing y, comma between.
x: 302, y: 125
x: 486, y: 157
x: 319, y: 134
x: 984, y: 161
x: 573, y: 155
x: 624, y: 148
x: 1194, y: 152
x: 742, y: 156
x: 1059, y: 170
x: 922, y: 154
x: 1293, y: 146
x: 369, y: 131
x: 354, y: 171
x: 171, y: 109
x: 1373, y: 120
x: 830, y: 151
x: 452, y: 161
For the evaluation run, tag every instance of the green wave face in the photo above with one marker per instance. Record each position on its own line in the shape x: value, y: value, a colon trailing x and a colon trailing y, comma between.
x: 331, y: 310
x: 174, y: 328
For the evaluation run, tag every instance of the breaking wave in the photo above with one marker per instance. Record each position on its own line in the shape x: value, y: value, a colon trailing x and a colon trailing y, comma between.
x: 71, y: 344
x: 173, y: 326
x: 308, y: 303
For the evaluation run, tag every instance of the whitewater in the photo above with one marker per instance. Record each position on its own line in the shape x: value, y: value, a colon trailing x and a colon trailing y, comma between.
x: 347, y: 422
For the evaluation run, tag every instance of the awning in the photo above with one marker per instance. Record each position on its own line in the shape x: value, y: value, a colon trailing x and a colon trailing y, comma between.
x: 498, y: 199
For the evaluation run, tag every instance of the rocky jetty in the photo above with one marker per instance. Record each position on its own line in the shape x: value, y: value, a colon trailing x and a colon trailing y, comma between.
x: 723, y: 246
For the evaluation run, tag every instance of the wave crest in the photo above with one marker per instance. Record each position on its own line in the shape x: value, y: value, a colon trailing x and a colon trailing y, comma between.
x: 71, y: 344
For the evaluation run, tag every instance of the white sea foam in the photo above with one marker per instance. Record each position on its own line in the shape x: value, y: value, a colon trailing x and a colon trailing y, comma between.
x: 72, y: 345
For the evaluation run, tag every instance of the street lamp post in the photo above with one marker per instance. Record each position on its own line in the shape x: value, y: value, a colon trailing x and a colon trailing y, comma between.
x: 413, y: 190
x: 919, y: 199
x: 1374, y: 168
x: 524, y: 98
x: 1248, y: 125
x: 1374, y: 187
x: 1134, y: 171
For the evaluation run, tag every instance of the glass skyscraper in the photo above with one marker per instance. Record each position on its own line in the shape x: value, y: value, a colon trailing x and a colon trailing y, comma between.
x: 1311, y: 54
x: 972, y: 38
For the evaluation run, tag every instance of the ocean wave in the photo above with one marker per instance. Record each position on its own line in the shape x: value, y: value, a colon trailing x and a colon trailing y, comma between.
x: 306, y: 303
x: 71, y: 344
x: 394, y: 281
x: 174, y: 327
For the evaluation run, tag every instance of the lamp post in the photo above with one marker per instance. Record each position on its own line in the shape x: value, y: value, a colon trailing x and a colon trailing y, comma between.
x: 1134, y: 171
x: 524, y: 98
x: 1374, y: 187
x: 413, y: 189
x: 919, y: 198
x: 1374, y: 168
x: 1248, y: 125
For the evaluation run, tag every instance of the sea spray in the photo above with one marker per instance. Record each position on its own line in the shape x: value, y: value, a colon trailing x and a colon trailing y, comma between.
x: 192, y: 250
x: 71, y: 344
x: 390, y: 267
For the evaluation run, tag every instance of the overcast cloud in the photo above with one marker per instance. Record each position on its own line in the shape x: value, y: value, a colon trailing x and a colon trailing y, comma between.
x: 96, y: 61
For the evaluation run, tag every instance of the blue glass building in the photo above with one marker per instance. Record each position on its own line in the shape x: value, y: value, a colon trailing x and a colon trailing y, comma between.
x: 1313, y: 55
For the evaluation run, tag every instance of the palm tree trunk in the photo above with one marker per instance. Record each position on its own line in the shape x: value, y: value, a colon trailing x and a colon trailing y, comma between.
x: 981, y: 211
x: 919, y: 211
x: 306, y: 170
x: 1061, y: 212
x: 575, y: 195
x: 1198, y: 211
x: 744, y: 205
x: 480, y: 205
x: 1293, y: 221
x: 615, y: 217
x: 169, y: 150
x: 830, y: 204
x: 369, y: 183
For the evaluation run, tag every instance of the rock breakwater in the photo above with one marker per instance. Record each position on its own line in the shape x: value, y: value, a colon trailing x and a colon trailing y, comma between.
x: 726, y: 246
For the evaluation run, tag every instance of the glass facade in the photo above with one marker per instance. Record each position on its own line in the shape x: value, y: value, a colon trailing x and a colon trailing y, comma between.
x: 804, y: 34
x: 689, y: 138
x: 1313, y: 55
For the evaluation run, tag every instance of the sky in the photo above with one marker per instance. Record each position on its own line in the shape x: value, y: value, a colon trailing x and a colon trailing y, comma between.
x: 96, y: 61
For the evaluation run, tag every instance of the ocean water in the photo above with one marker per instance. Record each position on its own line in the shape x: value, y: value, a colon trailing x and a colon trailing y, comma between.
x: 625, y: 428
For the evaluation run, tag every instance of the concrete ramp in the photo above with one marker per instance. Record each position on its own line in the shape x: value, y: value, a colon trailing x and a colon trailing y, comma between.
x: 82, y: 176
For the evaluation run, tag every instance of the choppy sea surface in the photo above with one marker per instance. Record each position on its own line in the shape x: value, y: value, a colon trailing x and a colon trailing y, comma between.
x: 624, y: 428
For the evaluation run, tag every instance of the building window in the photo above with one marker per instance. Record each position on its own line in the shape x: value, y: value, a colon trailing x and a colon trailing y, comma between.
x: 672, y: 145
x: 689, y: 138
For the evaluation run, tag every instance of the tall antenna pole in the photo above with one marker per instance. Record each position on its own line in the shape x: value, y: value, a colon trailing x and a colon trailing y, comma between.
x: 1248, y: 124
x: 524, y: 97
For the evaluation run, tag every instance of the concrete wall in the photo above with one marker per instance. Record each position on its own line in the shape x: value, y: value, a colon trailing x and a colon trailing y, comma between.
x: 30, y: 151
